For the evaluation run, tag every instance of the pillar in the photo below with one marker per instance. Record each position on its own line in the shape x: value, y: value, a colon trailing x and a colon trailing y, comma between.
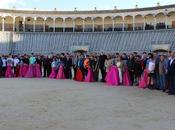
x: 34, y: 24
x: 113, y: 25
x: 133, y: 23
x: 123, y: 28
x: 103, y: 22
x: 166, y: 21
x: 83, y: 26
x: 53, y: 24
x: 155, y: 22
x: 144, y: 23
x: 64, y: 25
x: 24, y: 26
x: 73, y: 25
x: 93, y: 26
x: 44, y: 25
x: 3, y: 21
x: 14, y: 24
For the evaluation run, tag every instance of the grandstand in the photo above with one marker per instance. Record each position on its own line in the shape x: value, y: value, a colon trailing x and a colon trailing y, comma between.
x: 126, y: 30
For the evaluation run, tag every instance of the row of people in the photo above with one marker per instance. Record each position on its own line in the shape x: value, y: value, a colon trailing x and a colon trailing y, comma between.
x: 146, y: 70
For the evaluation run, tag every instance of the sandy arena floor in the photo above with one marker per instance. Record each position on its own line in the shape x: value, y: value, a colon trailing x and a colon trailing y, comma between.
x: 44, y: 104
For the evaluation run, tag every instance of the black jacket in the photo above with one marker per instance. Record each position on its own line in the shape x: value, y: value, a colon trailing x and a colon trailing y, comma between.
x: 1, y: 63
x: 171, y: 68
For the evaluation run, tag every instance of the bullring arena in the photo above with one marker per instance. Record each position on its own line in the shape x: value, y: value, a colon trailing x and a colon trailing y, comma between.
x: 40, y: 103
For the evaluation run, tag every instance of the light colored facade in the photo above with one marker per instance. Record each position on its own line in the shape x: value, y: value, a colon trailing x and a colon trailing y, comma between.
x: 151, y: 18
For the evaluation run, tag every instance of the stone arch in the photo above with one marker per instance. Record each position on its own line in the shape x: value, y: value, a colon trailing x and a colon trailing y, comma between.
x: 108, y: 23
x: 98, y: 24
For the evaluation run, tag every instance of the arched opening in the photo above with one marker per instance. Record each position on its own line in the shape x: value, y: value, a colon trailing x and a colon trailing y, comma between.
x: 8, y: 23
x: 98, y: 24
x: 58, y: 25
x: 29, y: 24
x: 49, y: 25
x: 69, y: 25
x: 78, y: 25
x: 19, y: 24
x: 149, y: 22
x: 108, y: 24
x: 128, y: 20
x: 39, y: 25
x: 139, y: 22
x: 88, y: 24
x: 160, y: 21
x: 118, y: 23
x: 171, y: 20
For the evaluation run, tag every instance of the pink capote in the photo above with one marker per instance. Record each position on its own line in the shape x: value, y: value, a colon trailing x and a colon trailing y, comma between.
x: 9, y: 72
x: 89, y: 77
x: 60, y: 74
x: 37, y: 71
x: 112, y: 77
x: 23, y: 70
x: 53, y: 73
x: 126, y: 77
x: 31, y: 72
x: 144, y: 80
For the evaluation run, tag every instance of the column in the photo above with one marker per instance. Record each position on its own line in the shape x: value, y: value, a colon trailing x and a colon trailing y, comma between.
x: 44, y: 25
x: 133, y: 23
x: 103, y: 21
x: 34, y: 24
x: 3, y: 21
x: 155, y: 22
x: 113, y: 25
x: 24, y: 26
x: 53, y: 24
x: 144, y: 23
x: 64, y: 25
x: 93, y: 26
x: 14, y: 24
x: 83, y: 26
x: 123, y: 28
x: 73, y: 25
x: 166, y: 21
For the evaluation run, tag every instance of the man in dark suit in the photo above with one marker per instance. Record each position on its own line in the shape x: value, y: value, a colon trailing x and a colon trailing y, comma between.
x: 171, y: 74
x: 101, y: 61
x: 68, y: 65
x: 47, y: 66
x: 1, y: 63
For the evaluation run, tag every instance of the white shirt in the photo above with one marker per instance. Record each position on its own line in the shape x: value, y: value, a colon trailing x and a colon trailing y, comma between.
x: 4, y: 62
x: 172, y: 61
x: 16, y: 61
x: 53, y: 64
x: 151, y: 66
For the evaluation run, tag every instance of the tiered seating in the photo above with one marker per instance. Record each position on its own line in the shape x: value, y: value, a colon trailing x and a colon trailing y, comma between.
x: 98, y: 41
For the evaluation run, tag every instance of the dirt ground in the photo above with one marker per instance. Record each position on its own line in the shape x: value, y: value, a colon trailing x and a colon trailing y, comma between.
x: 45, y: 104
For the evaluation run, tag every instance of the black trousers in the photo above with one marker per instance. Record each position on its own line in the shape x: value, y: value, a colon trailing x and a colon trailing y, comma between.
x: 68, y: 73
x: 3, y: 71
x: 131, y: 74
x: 47, y: 71
x: 103, y: 73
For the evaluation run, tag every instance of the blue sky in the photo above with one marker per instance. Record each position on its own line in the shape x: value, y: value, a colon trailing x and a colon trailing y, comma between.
x: 80, y: 4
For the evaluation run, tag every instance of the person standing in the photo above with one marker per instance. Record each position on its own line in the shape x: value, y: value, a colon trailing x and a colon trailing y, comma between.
x: 1, y: 63
x: 4, y: 65
x: 102, y: 59
x: 46, y: 66
x: 161, y: 73
x: 171, y: 74
x: 131, y: 67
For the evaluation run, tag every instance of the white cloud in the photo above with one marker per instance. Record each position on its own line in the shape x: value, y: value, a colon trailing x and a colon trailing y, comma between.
x: 11, y: 3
